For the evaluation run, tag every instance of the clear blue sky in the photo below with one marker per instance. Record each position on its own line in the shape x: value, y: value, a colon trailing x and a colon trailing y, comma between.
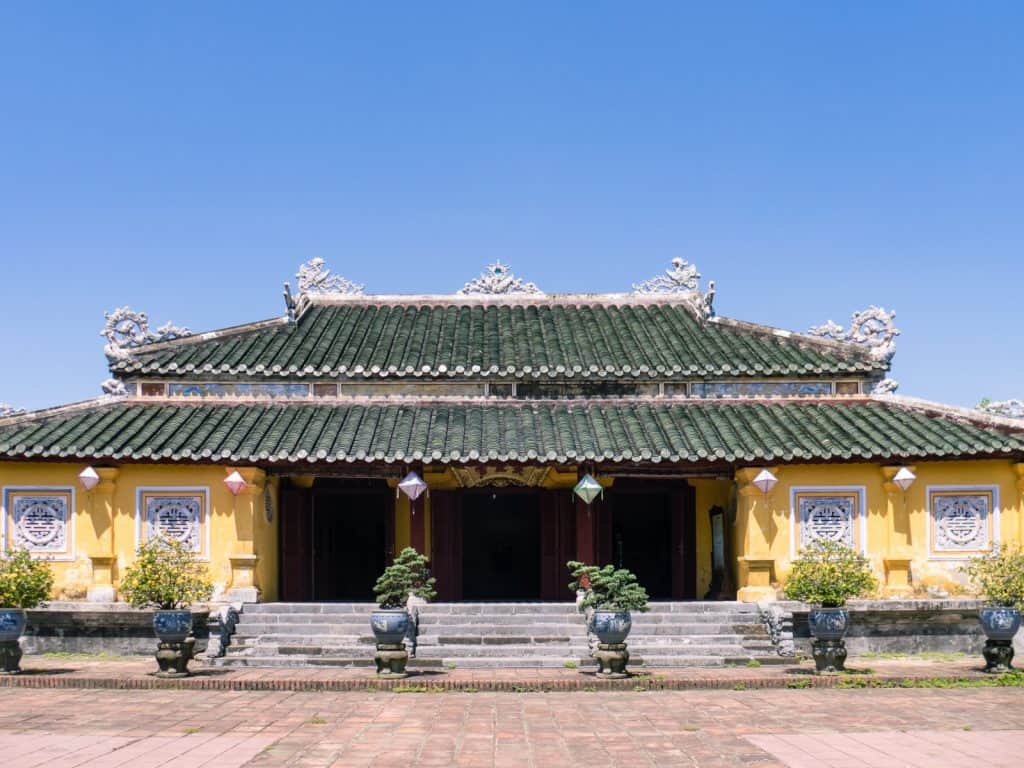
x: 812, y: 158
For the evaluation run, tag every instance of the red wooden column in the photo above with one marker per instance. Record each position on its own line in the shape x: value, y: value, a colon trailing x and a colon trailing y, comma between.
x: 418, y: 524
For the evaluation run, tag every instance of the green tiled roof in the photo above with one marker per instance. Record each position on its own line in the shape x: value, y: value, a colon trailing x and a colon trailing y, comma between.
x: 543, y: 431
x: 544, y: 339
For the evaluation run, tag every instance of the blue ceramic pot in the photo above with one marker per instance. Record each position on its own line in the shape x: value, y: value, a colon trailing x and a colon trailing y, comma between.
x: 12, y: 624
x: 829, y: 623
x: 172, y: 626
x: 611, y: 627
x: 389, y: 625
x: 999, y: 623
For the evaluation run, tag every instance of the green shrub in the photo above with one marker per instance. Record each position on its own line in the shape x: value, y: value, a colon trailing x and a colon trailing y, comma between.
x: 24, y: 582
x: 608, y: 588
x: 999, y: 577
x: 828, y: 574
x: 408, y: 573
x: 166, y: 576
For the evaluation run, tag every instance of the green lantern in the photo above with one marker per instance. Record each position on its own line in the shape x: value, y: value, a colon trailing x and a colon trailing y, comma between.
x: 588, y: 489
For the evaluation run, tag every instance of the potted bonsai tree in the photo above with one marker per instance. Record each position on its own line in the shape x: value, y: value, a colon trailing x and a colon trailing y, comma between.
x: 166, y: 577
x: 1000, y: 580
x: 826, y: 575
x: 611, y: 594
x: 24, y: 583
x: 407, y: 575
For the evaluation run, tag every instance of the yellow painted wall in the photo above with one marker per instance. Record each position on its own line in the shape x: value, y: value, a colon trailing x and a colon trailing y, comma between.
x: 237, y: 525
x: 709, y: 493
x: 896, y: 523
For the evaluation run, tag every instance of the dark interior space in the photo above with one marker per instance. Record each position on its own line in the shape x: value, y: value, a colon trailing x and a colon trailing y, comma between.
x: 641, y: 539
x: 349, y: 544
x: 501, y: 547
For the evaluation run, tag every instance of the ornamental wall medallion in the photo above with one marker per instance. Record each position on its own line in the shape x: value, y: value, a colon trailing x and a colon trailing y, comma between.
x: 960, y: 522
x: 498, y: 280
x: 827, y: 519
x: 39, y: 521
x: 175, y: 517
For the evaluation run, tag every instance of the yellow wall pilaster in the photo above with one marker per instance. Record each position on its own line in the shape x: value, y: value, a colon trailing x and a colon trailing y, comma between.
x: 102, y: 548
x: 756, y: 533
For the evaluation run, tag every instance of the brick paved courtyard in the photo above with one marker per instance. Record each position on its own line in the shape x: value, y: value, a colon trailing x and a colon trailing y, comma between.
x: 145, y: 729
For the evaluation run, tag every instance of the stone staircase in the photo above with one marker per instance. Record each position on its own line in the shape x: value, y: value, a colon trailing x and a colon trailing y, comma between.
x: 497, y: 635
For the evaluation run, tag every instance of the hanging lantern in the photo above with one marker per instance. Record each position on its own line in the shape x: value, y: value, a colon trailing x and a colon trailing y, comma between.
x: 904, y: 478
x: 588, y: 489
x: 235, y: 483
x: 413, y: 486
x: 765, y: 481
x: 89, y: 478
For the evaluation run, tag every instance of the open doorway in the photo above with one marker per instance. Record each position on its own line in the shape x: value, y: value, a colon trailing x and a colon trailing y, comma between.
x: 641, y: 539
x: 349, y: 543
x: 501, y: 550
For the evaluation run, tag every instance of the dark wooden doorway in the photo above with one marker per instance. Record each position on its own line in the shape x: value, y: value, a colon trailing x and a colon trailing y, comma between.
x: 335, y: 540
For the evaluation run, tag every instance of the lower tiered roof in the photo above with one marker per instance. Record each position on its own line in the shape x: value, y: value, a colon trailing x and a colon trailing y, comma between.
x: 679, y: 431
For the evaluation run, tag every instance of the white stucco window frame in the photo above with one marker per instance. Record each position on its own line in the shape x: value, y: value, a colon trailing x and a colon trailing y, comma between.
x: 967, y: 490
x: 861, y: 523
x: 69, y: 524
x: 175, y: 490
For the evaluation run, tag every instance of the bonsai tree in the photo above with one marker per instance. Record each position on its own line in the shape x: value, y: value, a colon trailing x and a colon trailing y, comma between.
x: 407, y: 574
x: 165, y: 576
x: 24, y: 582
x: 608, y: 588
x: 999, y: 577
x: 828, y: 574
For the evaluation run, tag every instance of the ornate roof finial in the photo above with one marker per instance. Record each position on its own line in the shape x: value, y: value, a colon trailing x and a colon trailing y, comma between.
x: 872, y: 328
x: 113, y: 388
x: 680, y: 279
x: 1011, y: 409
x: 884, y: 387
x: 127, y: 329
x: 9, y: 410
x: 498, y: 280
x: 314, y: 277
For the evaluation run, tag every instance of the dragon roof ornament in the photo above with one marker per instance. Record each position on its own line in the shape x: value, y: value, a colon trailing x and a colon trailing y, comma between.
x: 314, y: 277
x: 681, y: 279
x: 498, y: 280
x: 127, y: 329
x: 9, y: 410
x: 872, y: 328
x: 1012, y: 409
x: 114, y: 388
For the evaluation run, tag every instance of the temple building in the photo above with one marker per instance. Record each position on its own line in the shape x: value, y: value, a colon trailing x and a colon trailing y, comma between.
x: 503, y: 431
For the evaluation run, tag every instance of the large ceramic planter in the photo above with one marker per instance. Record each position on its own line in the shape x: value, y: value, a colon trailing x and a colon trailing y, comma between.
x: 172, y: 626
x: 829, y: 626
x: 829, y: 623
x: 1000, y: 624
x: 12, y: 626
x: 389, y: 625
x: 611, y: 627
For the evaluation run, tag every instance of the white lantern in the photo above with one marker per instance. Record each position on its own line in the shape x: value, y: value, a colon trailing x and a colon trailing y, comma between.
x: 588, y: 489
x: 89, y: 478
x: 765, y: 480
x: 413, y: 486
x: 904, y: 478
x: 235, y: 483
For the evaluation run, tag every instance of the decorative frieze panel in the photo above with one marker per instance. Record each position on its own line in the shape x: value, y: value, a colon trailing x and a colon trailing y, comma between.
x: 827, y: 519
x: 175, y: 514
x: 236, y: 389
x: 760, y: 388
x: 39, y: 520
x: 961, y: 520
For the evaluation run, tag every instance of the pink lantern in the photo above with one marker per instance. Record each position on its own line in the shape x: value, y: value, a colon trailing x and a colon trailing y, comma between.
x: 235, y: 483
x: 89, y: 478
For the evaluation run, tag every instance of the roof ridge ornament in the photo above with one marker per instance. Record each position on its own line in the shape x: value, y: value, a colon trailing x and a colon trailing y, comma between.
x: 872, y: 328
x: 498, y: 280
x: 1011, y: 409
x: 9, y: 410
x: 681, y: 279
x: 315, y: 278
x: 114, y: 388
x: 127, y: 329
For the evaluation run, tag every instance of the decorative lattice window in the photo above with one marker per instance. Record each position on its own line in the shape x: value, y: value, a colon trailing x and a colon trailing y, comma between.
x: 175, y: 514
x: 828, y: 513
x: 39, y: 520
x: 962, y: 520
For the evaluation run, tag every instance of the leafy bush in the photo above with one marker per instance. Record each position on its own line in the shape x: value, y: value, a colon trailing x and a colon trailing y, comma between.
x: 608, y: 588
x: 829, y: 574
x: 999, y: 577
x: 166, y: 576
x: 408, y: 573
x: 24, y: 582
